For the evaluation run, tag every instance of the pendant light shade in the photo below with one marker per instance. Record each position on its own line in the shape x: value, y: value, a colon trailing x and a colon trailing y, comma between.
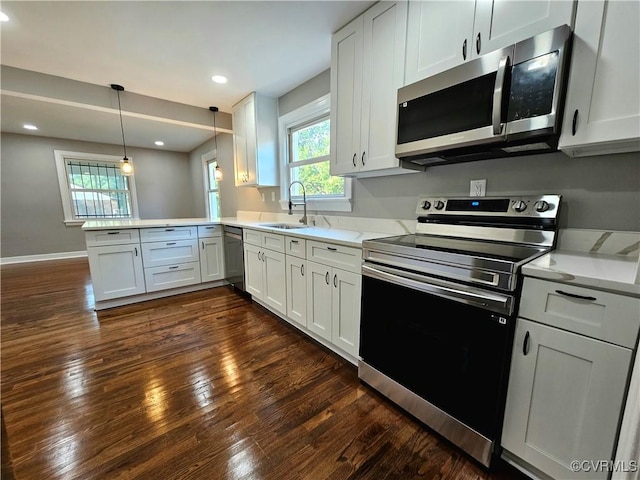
x: 125, y: 165
x: 218, y: 171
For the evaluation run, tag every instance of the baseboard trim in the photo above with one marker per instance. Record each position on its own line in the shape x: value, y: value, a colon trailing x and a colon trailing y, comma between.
x: 42, y: 257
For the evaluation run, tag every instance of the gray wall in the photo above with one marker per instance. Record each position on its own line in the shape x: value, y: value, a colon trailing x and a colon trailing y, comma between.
x: 31, y: 215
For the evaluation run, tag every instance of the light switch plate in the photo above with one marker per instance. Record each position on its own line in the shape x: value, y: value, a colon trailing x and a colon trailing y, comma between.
x: 478, y: 188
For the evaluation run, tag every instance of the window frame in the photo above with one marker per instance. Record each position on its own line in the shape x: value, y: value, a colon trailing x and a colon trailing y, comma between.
x: 297, y: 118
x: 61, y: 158
x: 206, y: 158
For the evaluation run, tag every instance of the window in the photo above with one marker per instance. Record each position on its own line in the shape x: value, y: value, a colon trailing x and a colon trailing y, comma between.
x: 211, y: 185
x: 305, y: 139
x: 92, y: 187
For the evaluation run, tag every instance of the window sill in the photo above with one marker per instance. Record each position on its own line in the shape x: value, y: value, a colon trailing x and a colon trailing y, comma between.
x: 323, y: 205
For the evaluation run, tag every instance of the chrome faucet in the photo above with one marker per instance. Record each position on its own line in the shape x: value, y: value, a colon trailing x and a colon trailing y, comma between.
x: 303, y: 220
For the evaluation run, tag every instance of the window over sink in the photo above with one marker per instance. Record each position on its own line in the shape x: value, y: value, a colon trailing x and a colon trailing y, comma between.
x: 305, y: 142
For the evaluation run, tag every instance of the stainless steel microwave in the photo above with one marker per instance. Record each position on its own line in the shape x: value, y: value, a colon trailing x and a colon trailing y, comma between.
x: 507, y: 102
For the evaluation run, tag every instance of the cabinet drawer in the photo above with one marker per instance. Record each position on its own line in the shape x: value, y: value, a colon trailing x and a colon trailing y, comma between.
x: 273, y: 241
x: 295, y: 246
x: 605, y: 316
x: 96, y: 238
x: 253, y: 237
x: 209, y: 231
x: 161, y: 278
x: 347, y: 258
x: 155, y: 254
x: 168, y: 233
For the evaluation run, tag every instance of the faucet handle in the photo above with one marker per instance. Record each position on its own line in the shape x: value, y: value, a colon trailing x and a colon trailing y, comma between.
x: 290, y: 208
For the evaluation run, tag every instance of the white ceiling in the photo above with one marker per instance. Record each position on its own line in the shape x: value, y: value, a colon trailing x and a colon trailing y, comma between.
x: 167, y: 50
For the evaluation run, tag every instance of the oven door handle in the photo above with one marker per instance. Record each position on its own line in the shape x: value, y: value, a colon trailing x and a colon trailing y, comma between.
x: 441, y: 288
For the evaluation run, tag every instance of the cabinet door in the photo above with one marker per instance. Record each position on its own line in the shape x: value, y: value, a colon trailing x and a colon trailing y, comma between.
x: 253, y: 270
x: 275, y: 283
x: 116, y: 271
x: 499, y: 23
x: 211, y: 259
x: 564, y: 399
x: 319, y: 290
x: 296, y: 290
x: 345, y: 331
x: 439, y: 37
x: 250, y: 125
x: 384, y: 38
x: 603, y: 94
x: 346, y: 84
x: 239, y: 124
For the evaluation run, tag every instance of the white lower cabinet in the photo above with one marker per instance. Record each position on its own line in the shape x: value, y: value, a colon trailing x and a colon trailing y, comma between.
x: 116, y: 270
x: 567, y: 388
x: 297, y: 289
x: 172, y: 276
x: 265, y: 276
x: 212, y: 265
x: 333, y: 305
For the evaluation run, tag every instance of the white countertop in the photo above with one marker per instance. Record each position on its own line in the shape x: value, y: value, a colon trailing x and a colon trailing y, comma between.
x: 616, y: 273
x: 351, y: 238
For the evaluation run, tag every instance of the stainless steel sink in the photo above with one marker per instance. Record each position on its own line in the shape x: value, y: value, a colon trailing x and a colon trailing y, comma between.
x: 284, y: 226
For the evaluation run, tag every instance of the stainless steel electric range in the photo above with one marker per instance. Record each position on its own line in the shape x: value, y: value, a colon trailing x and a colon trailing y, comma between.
x: 439, y: 310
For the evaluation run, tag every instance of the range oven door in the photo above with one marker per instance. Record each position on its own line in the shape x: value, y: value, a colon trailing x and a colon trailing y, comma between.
x: 439, y: 353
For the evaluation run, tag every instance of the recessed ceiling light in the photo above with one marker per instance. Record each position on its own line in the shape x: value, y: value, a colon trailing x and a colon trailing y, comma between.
x: 159, y: 143
x: 3, y: 17
x: 219, y: 79
x: 28, y: 126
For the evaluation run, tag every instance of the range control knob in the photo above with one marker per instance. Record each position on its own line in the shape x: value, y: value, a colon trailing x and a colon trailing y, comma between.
x: 438, y: 204
x: 541, y: 206
x: 426, y: 205
x: 520, y: 206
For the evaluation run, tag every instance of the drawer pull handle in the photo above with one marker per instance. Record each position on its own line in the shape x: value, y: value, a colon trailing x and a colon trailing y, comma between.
x: 171, y: 243
x: 579, y: 297
x: 295, y: 241
x: 169, y: 229
x: 203, y: 245
x: 326, y: 278
x: 525, y: 344
x: 209, y: 228
x: 174, y: 267
x: 113, y: 233
x: 333, y: 249
x: 302, y: 269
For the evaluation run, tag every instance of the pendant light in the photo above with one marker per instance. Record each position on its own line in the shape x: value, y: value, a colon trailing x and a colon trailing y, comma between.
x: 125, y: 166
x: 217, y: 173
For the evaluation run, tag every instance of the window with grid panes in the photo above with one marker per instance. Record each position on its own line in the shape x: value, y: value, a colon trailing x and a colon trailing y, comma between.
x: 92, y: 187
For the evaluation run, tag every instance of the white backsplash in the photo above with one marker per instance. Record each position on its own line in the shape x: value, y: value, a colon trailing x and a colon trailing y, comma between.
x: 361, y: 224
x: 599, y: 241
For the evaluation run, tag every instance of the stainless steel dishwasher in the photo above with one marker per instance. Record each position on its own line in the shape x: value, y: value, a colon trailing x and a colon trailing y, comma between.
x: 234, y: 257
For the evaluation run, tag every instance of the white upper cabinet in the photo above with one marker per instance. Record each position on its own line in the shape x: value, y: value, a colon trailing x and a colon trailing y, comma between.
x: 440, y: 36
x: 443, y: 34
x: 367, y: 68
x: 255, y: 139
x: 602, y: 109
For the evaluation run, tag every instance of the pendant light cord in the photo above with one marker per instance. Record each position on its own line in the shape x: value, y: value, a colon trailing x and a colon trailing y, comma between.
x: 124, y: 145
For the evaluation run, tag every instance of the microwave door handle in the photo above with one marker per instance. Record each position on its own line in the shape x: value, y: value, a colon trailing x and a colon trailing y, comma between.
x: 497, y: 95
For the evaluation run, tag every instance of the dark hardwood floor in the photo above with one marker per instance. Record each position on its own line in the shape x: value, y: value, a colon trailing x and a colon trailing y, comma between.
x: 199, y: 386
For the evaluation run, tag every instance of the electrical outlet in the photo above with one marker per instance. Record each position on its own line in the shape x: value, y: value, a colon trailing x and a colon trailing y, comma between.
x: 478, y: 188
x: 273, y: 196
